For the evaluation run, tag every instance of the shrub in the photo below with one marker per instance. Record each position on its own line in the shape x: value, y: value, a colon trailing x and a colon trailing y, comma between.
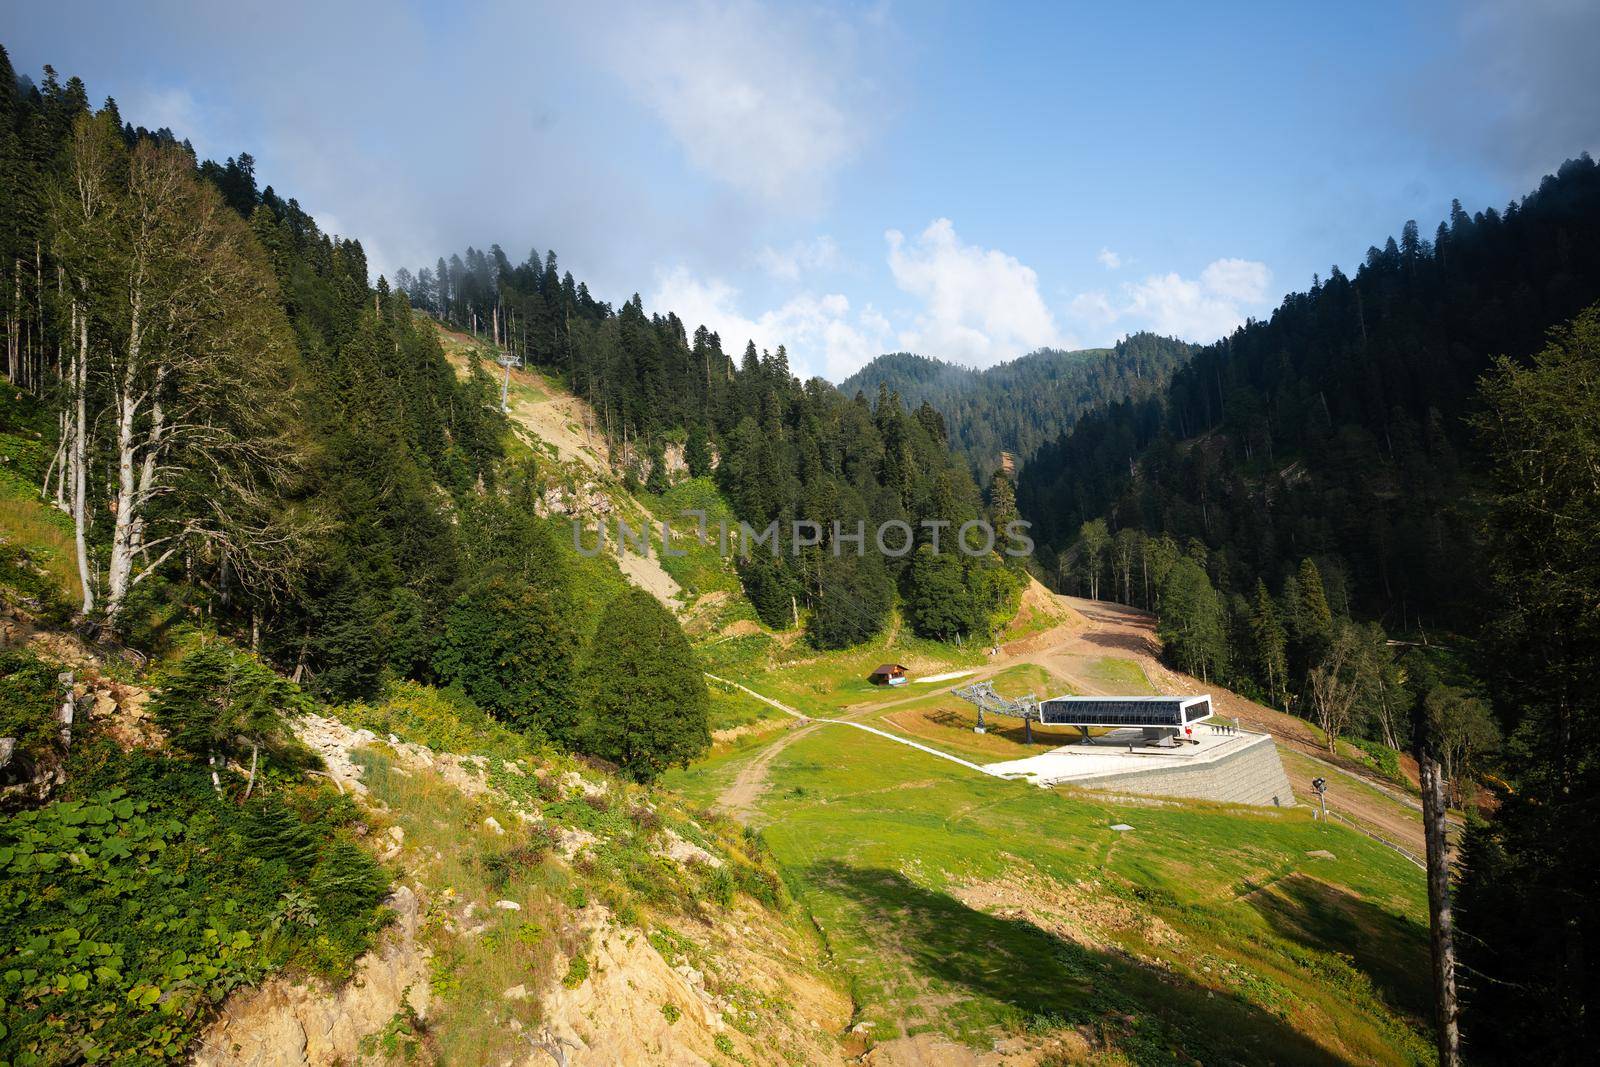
x: 131, y: 908
x: 1384, y: 758
x: 577, y: 972
x: 29, y: 694
x: 219, y: 701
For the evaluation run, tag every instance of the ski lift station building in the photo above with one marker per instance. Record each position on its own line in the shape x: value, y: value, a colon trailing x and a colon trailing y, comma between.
x: 1151, y: 713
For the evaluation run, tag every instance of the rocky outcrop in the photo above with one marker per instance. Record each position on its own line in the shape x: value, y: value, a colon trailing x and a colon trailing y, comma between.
x: 283, y: 1024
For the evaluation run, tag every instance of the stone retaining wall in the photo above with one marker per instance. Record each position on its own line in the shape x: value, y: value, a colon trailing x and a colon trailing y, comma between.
x: 1250, y: 775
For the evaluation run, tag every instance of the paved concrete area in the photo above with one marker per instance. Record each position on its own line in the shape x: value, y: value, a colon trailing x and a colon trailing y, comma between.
x: 1237, y: 768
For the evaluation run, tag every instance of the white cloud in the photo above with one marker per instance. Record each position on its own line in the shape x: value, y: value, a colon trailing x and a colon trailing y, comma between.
x: 1243, y: 281
x: 1195, y: 309
x: 1109, y: 259
x: 176, y: 109
x: 820, y: 333
x: 980, y: 305
x: 787, y: 264
x: 765, y: 100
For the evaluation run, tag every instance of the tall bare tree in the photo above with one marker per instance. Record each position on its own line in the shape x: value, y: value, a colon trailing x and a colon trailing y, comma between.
x: 185, y: 347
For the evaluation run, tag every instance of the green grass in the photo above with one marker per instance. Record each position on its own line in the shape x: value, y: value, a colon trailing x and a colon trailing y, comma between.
x: 37, y: 556
x: 1210, y: 927
x: 702, y: 568
x: 464, y: 863
x: 946, y: 722
x: 824, y: 683
x: 733, y: 708
x: 1118, y: 676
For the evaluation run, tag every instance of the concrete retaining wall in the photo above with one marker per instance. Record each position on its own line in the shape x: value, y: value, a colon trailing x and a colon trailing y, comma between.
x: 1250, y: 775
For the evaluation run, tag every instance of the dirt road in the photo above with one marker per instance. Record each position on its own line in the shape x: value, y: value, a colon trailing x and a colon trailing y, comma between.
x: 1369, y: 802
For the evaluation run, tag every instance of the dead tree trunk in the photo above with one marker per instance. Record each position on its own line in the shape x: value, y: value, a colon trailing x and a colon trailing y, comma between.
x: 80, y: 472
x: 1441, y: 926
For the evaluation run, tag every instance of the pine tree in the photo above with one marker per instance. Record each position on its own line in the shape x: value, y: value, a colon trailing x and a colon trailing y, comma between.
x: 1269, y: 644
x: 509, y: 646
x: 1193, y: 625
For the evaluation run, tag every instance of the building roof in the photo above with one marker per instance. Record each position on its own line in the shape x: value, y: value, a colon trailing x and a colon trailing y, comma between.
x: 1127, y: 700
x: 889, y: 668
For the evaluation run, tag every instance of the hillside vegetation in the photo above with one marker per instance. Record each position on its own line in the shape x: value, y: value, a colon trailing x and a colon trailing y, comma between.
x: 322, y: 733
x: 1017, y: 406
x: 1376, y: 507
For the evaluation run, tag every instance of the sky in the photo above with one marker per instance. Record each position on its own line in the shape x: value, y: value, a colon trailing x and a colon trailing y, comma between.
x: 967, y: 181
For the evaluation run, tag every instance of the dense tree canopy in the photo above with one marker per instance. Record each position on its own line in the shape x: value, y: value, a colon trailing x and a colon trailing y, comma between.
x: 783, y: 451
x: 645, y: 700
x: 1015, y: 407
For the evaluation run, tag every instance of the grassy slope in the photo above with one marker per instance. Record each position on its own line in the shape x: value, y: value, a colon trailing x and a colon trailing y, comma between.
x: 972, y: 907
x: 955, y: 903
x: 25, y: 519
x: 687, y: 911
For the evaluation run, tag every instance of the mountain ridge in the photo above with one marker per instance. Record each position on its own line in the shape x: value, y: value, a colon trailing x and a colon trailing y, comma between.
x: 1016, y: 406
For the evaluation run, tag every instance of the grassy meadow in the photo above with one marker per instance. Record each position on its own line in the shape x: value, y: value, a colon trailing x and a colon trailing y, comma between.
x: 973, y: 907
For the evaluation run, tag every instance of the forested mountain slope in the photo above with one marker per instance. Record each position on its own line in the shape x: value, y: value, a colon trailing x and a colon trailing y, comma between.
x: 1409, y: 450
x: 1019, y: 405
x: 1337, y: 428
x: 780, y: 450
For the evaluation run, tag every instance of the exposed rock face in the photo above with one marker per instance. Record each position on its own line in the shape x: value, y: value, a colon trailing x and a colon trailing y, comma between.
x: 285, y: 1025
x: 586, y: 500
x: 686, y: 852
x: 615, y: 1017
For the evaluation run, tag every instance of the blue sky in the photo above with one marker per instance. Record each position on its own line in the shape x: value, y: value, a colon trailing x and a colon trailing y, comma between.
x: 970, y: 181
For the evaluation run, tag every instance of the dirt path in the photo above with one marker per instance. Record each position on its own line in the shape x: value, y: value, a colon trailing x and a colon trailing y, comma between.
x: 1093, y: 630
x: 739, y: 799
x: 751, y: 782
x: 1117, y: 630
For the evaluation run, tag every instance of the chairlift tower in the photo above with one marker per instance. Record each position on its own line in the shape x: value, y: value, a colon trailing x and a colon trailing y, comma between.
x: 507, y: 360
x: 982, y: 696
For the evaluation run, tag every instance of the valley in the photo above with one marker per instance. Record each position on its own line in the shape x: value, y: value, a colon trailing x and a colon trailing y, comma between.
x: 455, y: 660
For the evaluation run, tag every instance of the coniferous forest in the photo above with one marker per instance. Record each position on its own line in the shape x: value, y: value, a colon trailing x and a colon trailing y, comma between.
x: 1015, y: 407
x: 781, y: 450
x: 1372, y: 509
x: 269, y: 494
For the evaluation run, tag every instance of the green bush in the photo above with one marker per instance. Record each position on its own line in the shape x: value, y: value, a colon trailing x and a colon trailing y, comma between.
x: 577, y: 972
x: 29, y: 694
x: 443, y: 719
x: 510, y: 646
x: 1384, y: 758
x: 131, y: 908
x: 219, y: 701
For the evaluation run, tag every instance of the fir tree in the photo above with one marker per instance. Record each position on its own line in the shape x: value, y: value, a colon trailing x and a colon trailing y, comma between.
x: 645, y: 702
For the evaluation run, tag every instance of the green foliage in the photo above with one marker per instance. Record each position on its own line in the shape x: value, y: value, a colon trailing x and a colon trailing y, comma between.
x: 442, y: 719
x: 128, y: 912
x: 1193, y: 626
x: 853, y: 604
x: 511, y: 648
x: 1019, y: 405
x: 1531, y: 891
x: 577, y: 972
x: 644, y: 698
x: 29, y: 696
x: 219, y: 701
x: 1384, y: 758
